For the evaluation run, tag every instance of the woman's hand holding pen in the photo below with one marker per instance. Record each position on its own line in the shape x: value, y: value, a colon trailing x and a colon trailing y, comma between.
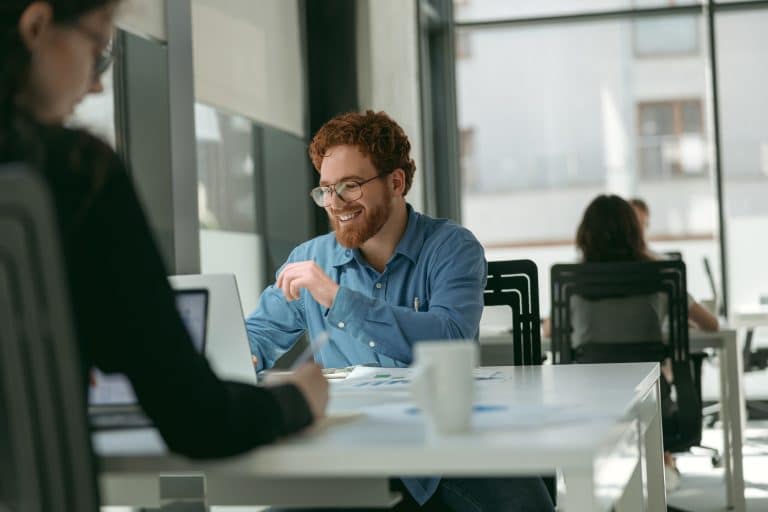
x: 313, y: 385
x: 307, y: 274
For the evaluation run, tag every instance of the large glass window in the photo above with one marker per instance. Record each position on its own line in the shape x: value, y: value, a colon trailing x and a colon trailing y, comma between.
x: 226, y: 197
x: 476, y: 10
x: 659, y: 37
x: 225, y: 171
x: 671, y: 139
x: 551, y: 115
x: 743, y: 82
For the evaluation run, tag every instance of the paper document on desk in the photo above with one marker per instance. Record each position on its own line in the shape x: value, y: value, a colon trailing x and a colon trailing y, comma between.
x: 365, y: 377
x: 368, y: 377
x: 491, y: 417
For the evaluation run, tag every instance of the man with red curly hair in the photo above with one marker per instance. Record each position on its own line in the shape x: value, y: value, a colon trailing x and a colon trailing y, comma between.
x: 386, y: 278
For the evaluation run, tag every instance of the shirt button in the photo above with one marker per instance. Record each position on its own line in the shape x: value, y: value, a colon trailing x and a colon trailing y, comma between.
x: 341, y: 325
x: 371, y: 343
x: 378, y: 285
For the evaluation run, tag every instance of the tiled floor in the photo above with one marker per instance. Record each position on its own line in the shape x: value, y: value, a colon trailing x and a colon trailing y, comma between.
x: 702, y: 488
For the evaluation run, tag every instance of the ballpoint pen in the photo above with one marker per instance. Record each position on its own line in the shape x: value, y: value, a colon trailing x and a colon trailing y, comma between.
x: 313, y: 348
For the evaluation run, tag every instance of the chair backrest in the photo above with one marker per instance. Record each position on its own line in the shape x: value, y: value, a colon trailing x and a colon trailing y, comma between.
x: 623, y: 281
x: 611, y: 281
x: 46, y: 461
x: 515, y: 283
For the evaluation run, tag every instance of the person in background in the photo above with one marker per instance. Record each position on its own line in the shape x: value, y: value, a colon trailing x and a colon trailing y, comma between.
x: 51, y: 56
x: 643, y: 213
x: 611, y: 231
x: 386, y: 278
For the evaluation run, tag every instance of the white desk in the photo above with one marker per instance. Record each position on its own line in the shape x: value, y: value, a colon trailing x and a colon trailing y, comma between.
x: 731, y: 397
x: 750, y: 317
x: 605, y: 438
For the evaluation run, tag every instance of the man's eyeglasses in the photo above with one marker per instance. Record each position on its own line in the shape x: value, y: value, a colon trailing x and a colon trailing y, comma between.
x: 348, y: 190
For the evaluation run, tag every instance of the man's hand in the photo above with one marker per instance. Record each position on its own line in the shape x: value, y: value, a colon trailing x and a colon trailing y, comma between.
x: 306, y: 274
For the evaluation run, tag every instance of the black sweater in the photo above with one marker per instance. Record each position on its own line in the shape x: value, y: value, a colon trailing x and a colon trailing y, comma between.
x: 124, y: 311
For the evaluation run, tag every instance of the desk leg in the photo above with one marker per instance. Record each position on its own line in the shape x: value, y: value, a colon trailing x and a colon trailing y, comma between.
x: 653, y: 458
x: 725, y: 420
x: 732, y: 417
x: 580, y: 490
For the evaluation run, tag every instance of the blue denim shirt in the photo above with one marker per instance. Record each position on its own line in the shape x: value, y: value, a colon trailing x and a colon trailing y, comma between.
x: 431, y: 288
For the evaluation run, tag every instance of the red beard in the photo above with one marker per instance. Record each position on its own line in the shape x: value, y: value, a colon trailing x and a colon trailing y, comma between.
x: 355, y: 233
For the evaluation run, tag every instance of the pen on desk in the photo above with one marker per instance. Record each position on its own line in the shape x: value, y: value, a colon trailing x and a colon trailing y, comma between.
x: 416, y: 304
x: 313, y: 347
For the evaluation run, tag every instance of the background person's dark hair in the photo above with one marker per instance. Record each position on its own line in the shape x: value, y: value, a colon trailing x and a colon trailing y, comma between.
x: 14, y: 56
x: 640, y: 204
x: 610, y: 232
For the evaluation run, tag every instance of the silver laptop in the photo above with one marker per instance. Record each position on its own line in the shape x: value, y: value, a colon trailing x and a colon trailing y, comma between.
x: 111, y: 401
x: 227, y: 346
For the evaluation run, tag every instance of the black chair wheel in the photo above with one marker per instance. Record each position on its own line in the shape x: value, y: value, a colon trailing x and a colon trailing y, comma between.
x: 717, y: 461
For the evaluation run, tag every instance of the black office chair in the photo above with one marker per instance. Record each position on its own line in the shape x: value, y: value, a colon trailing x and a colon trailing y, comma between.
x: 682, y: 421
x: 515, y: 283
x: 45, y: 451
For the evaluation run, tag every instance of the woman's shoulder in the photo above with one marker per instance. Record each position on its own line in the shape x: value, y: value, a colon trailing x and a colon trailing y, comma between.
x: 73, y: 160
x: 75, y: 149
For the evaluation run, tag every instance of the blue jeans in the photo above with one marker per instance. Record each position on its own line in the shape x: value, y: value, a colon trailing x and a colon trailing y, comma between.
x: 525, y: 494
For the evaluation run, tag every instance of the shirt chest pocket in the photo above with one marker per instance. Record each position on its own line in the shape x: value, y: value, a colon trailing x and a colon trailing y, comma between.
x: 420, y: 303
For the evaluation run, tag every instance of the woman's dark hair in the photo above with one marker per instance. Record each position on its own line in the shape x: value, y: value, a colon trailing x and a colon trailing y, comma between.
x: 610, y: 231
x: 14, y: 56
x: 20, y: 134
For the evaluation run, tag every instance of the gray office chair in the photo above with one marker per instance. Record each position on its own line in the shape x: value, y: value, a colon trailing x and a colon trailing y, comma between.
x: 45, y: 452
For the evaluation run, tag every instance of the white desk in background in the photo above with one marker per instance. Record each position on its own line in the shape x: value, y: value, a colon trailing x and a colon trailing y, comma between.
x: 749, y: 317
x: 601, y: 429
x: 732, y: 404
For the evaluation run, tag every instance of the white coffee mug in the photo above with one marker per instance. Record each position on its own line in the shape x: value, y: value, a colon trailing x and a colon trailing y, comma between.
x: 443, y: 384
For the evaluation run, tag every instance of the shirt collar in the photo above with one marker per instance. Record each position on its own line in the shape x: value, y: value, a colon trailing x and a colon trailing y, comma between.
x: 409, y: 246
x: 413, y: 238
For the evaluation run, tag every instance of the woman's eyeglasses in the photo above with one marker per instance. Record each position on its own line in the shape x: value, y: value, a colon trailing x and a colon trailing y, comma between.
x: 104, y: 59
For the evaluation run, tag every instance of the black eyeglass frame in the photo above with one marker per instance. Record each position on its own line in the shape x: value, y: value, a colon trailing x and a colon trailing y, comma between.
x: 106, y: 57
x: 326, y: 190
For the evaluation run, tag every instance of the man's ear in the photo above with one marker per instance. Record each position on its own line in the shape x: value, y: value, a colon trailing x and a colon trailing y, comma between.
x: 33, y: 23
x: 398, y: 181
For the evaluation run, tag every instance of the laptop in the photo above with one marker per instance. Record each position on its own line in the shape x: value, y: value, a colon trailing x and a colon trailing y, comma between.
x: 111, y: 401
x: 227, y: 347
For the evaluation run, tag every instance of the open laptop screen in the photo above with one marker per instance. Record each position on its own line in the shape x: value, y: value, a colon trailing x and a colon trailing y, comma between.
x: 109, y: 390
